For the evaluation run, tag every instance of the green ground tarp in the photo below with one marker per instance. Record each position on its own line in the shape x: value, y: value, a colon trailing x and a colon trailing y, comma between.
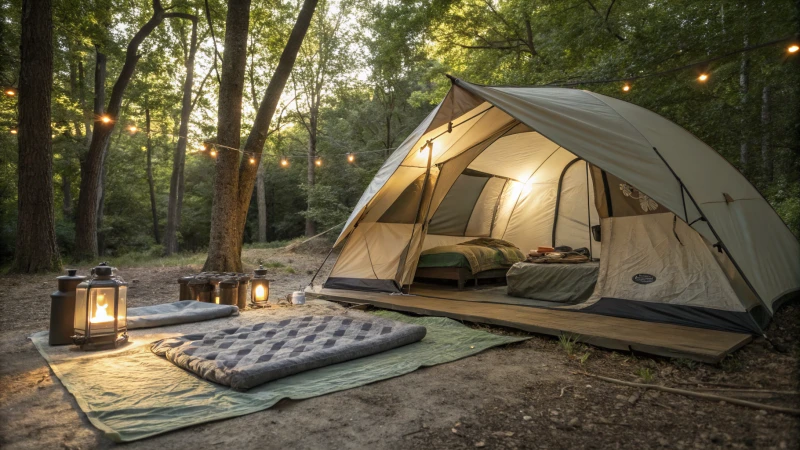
x: 132, y: 394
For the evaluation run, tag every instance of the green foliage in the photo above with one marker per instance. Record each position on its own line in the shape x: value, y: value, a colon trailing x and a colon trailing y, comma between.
x: 569, y: 343
x: 646, y: 374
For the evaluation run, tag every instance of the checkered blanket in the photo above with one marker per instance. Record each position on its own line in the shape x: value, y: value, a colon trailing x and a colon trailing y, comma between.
x: 247, y: 356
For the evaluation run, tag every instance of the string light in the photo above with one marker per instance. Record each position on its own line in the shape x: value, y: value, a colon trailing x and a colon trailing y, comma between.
x: 252, y: 160
x: 318, y: 162
x: 13, y: 131
x: 703, y: 77
x: 793, y: 48
x: 284, y: 162
x: 351, y: 157
x: 105, y: 119
x: 133, y: 129
x: 627, y: 87
x: 11, y: 92
x: 213, y: 153
x: 203, y: 147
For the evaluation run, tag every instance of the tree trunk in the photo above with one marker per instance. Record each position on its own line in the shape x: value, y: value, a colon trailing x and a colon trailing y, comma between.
x: 179, y: 157
x: 223, y: 247
x: 73, y: 89
x: 766, y: 153
x: 101, y: 207
x: 744, y: 85
x: 87, y: 117
x: 92, y: 165
x: 261, y: 195
x: 150, y: 181
x: 36, y: 248
x: 66, y: 192
x: 246, y: 176
x: 312, y: 170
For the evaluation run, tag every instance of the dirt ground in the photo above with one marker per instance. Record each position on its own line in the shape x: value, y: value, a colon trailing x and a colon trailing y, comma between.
x: 526, y: 395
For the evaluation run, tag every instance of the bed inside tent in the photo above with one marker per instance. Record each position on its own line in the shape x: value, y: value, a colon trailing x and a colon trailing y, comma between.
x: 474, y: 172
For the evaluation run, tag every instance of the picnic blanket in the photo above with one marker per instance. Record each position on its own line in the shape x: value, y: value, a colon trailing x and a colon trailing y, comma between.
x: 184, y: 311
x: 480, y: 254
x: 129, y: 393
x: 247, y: 356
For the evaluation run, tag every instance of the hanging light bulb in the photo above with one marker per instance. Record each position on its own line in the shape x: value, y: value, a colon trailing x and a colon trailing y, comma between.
x: 13, y: 131
x: 105, y: 119
x: 213, y: 153
x: 133, y: 129
x: 627, y: 87
x: 284, y: 162
x: 318, y: 162
x: 351, y: 157
x: 10, y: 92
x: 703, y: 77
x: 203, y: 147
x: 252, y: 160
x: 793, y: 48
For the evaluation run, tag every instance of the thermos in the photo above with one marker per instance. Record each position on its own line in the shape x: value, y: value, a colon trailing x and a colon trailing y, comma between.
x: 62, y: 308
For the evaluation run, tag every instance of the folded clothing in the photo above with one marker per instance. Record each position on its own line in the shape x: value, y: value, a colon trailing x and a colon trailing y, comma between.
x: 184, y: 311
x: 247, y: 356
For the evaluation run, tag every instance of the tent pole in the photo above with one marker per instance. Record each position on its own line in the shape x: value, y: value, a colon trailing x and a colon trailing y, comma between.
x: 589, y: 213
x: 400, y: 269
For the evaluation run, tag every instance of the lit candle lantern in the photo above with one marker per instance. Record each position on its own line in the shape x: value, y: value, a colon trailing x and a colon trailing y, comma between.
x: 259, y: 292
x: 101, y: 310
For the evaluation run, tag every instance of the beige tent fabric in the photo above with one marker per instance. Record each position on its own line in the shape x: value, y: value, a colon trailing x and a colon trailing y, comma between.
x: 685, y: 271
x: 574, y: 215
x: 480, y: 223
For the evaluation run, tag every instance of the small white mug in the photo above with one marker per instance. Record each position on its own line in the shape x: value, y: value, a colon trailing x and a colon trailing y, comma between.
x: 298, y: 298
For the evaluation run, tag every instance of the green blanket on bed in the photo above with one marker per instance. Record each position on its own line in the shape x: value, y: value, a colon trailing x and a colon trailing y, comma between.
x: 478, y: 255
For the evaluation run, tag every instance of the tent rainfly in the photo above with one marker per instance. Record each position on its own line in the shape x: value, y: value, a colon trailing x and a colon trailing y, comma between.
x: 523, y: 164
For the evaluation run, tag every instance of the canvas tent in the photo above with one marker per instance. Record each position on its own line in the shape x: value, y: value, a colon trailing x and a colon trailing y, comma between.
x: 540, y: 166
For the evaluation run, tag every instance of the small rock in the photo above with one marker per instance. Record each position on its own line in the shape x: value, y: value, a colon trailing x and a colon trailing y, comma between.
x: 454, y: 430
x: 527, y: 417
x: 509, y: 433
x: 573, y: 422
x: 621, y: 397
x: 663, y: 442
x: 763, y: 412
x: 480, y: 444
x: 589, y: 386
x: 553, y: 412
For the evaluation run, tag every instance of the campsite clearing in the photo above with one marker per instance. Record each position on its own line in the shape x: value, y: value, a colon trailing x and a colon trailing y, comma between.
x: 519, y: 396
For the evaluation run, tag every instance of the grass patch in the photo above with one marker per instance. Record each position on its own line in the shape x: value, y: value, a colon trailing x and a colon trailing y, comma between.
x: 148, y: 259
x: 569, y: 343
x: 646, y: 374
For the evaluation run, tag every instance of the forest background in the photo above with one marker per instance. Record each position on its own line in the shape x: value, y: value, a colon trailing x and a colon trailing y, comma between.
x: 367, y: 73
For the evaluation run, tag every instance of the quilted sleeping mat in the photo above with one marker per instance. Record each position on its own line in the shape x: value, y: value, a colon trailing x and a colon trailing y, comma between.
x: 247, y: 356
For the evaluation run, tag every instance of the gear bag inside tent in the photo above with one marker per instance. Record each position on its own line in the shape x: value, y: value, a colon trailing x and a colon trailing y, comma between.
x: 628, y: 217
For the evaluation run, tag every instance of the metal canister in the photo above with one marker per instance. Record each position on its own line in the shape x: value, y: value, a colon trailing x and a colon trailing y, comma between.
x: 62, y: 309
x: 185, y: 292
x: 228, y: 292
x: 244, y: 282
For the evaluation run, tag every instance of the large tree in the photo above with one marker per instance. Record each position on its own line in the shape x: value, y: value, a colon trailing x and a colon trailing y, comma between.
x: 234, y: 188
x: 36, y: 248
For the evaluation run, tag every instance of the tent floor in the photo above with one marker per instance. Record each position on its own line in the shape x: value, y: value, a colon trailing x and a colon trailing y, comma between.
x: 491, y: 306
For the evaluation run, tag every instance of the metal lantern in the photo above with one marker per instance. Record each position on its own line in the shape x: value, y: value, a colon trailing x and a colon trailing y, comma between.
x: 101, y: 310
x: 259, y: 289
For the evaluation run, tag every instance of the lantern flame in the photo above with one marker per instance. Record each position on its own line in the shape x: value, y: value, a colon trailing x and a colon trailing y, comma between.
x: 101, y: 312
x: 260, y: 292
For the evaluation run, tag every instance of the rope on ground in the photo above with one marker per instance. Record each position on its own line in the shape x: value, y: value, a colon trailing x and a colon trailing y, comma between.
x: 694, y: 394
